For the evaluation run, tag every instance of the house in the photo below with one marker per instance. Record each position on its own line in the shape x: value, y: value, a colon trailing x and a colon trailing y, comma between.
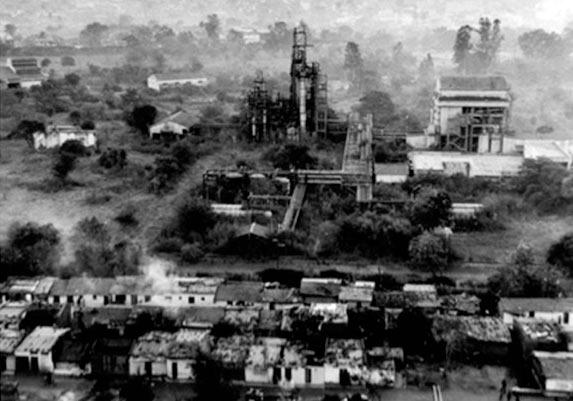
x: 233, y: 352
x: 174, y: 79
x: 8, y: 78
x: 73, y: 356
x: 490, y: 166
x: 111, y: 356
x: 476, y: 338
x: 460, y: 304
x: 82, y: 291
x: 470, y: 113
x: 391, y: 173
x: 56, y: 135
x: 200, y: 291
x: 182, y: 353
x: 559, y: 310
x: 554, y: 370
x: 540, y: 335
x: 12, y: 314
x: 199, y: 316
x: 148, y: 355
x: 34, y: 354
x: 239, y: 293
x: 175, y: 126
x: 9, y: 340
x: 28, y: 290
x: 243, y: 318
x: 357, y: 294
x: 262, y: 364
x: 314, y: 290
x: 280, y: 298
x: 301, y: 367
x: 27, y: 71
x: 334, y: 313
x: 343, y: 361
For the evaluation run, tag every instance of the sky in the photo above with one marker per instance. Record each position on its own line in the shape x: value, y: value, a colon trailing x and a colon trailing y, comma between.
x: 67, y: 17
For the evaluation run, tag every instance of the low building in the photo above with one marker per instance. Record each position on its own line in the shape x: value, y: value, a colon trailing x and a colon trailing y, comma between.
x: 344, y: 361
x: 239, y: 293
x: 34, y: 354
x: 492, y: 166
x: 175, y: 126
x: 391, y: 173
x: 56, y: 135
x: 185, y: 347
x: 357, y: 294
x: 12, y: 314
x: 262, y: 365
x: 554, y: 370
x: 9, y: 340
x: 73, y: 356
x: 148, y: 355
x: 558, y: 310
x: 540, y: 335
x: 27, y: 70
x: 111, y: 357
x: 28, y: 290
x: 316, y: 290
x: 167, y: 80
x: 301, y: 367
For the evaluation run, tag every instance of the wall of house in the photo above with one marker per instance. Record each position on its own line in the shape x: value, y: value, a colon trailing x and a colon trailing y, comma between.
x: 331, y: 374
x: 137, y: 367
x: 71, y: 369
x: 168, y: 126
x: 53, y: 140
x: 10, y: 361
x: 558, y: 317
x: 259, y: 375
x: 185, y: 371
x: 29, y: 84
x: 299, y: 376
x: 45, y: 362
x: 152, y: 83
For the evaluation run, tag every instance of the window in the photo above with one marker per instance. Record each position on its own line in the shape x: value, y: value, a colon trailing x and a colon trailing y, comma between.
x: 531, y: 313
x: 191, y: 300
x: 288, y: 374
x: 566, y: 318
x: 94, y: 297
x: 308, y: 375
x: 120, y: 299
x: 70, y: 299
x: 56, y: 299
x: 147, y: 298
x: 202, y: 298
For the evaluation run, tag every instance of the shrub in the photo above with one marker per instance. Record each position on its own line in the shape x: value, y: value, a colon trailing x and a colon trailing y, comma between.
x: 561, y: 253
x: 191, y: 253
x: 127, y: 216
x: 168, y: 245
x: 529, y: 282
x: 431, y: 208
x: 113, y: 158
x: 64, y: 164
x: 68, y: 61
x: 290, y: 155
x: 74, y: 147
x: 193, y: 216
x: 88, y: 125
x: 72, y: 79
x: 430, y: 252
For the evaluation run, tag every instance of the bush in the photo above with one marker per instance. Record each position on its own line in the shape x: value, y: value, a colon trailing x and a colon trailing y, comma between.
x: 193, y: 217
x: 431, y: 208
x: 290, y: 155
x: 68, y: 61
x: 88, y: 125
x: 74, y: 147
x: 430, y: 252
x: 561, y: 253
x: 528, y: 282
x: 113, y: 158
x: 191, y: 253
x: 127, y: 216
x: 72, y: 79
x: 64, y: 164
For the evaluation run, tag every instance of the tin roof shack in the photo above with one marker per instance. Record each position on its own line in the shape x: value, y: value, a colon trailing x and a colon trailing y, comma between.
x: 262, y: 365
x: 344, y: 361
x: 9, y: 340
x: 107, y: 321
x: 460, y: 304
x: 302, y: 366
x: 148, y: 354
x: 12, y: 314
x: 244, y: 320
x: 192, y: 317
x: 554, y: 370
x: 111, y: 356
x: 357, y: 294
x: 173, y: 127
x: 232, y: 352
x: 34, y: 354
x: 27, y: 289
x: 56, y: 135
x: 72, y: 357
x: 280, y: 298
x: 539, y: 335
x: 558, y: 310
x: 320, y: 290
x: 239, y: 293
x: 472, y: 339
x: 186, y: 345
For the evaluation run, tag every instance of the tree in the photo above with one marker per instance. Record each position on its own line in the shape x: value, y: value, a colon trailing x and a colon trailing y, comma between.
x: 540, y: 44
x: 31, y: 249
x: 10, y: 30
x: 279, y: 36
x: 380, y: 105
x: 72, y: 79
x: 426, y: 70
x: 75, y: 117
x: 561, y: 253
x: 142, y: 117
x: 462, y: 47
x: 431, y: 208
x: 430, y: 252
x: 290, y: 155
x: 528, y: 282
x: 92, y: 34
x: 26, y: 128
x: 212, y: 27
x: 46, y: 62
x: 489, y: 43
x: 63, y: 166
x: 193, y: 219
x: 68, y: 61
x: 353, y: 63
x: 88, y: 125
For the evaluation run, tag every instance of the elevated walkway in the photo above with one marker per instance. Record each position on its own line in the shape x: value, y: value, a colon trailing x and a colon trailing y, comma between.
x: 294, y: 207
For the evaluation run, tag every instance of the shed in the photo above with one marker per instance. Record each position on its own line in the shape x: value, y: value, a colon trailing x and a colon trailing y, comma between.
x: 34, y: 354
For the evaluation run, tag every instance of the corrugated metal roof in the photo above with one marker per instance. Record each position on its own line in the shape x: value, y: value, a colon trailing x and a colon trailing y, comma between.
x: 41, y: 340
x: 521, y: 305
x: 471, y: 83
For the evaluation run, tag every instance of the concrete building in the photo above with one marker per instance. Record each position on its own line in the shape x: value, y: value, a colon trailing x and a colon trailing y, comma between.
x: 175, y: 126
x: 262, y: 365
x: 27, y: 72
x: 555, y: 371
x: 9, y: 340
x: 558, y: 310
x: 56, y: 135
x: 470, y: 113
x: 34, y: 354
x: 168, y: 80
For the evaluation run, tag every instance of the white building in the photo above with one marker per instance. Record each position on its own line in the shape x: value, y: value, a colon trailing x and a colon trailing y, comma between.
x: 56, y: 135
x: 34, y: 354
x: 262, y: 365
x: 160, y: 81
x: 176, y: 125
x: 558, y: 310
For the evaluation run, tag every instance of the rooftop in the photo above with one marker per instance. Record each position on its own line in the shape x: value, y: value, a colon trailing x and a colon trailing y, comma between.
x: 180, y: 117
x: 245, y: 318
x: 12, y: 313
x: 487, y: 329
x: 523, y: 305
x: 240, y: 291
x: 233, y: 350
x: 330, y: 312
x: 41, y: 340
x: 356, y: 293
x: 344, y: 352
x: 480, y: 165
x: 266, y: 352
x: 540, y: 330
x: 177, y: 76
x: 316, y: 287
x: 428, y: 288
x: 9, y: 340
x: 472, y: 83
x: 152, y: 345
x: 556, y: 365
x: 110, y: 316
